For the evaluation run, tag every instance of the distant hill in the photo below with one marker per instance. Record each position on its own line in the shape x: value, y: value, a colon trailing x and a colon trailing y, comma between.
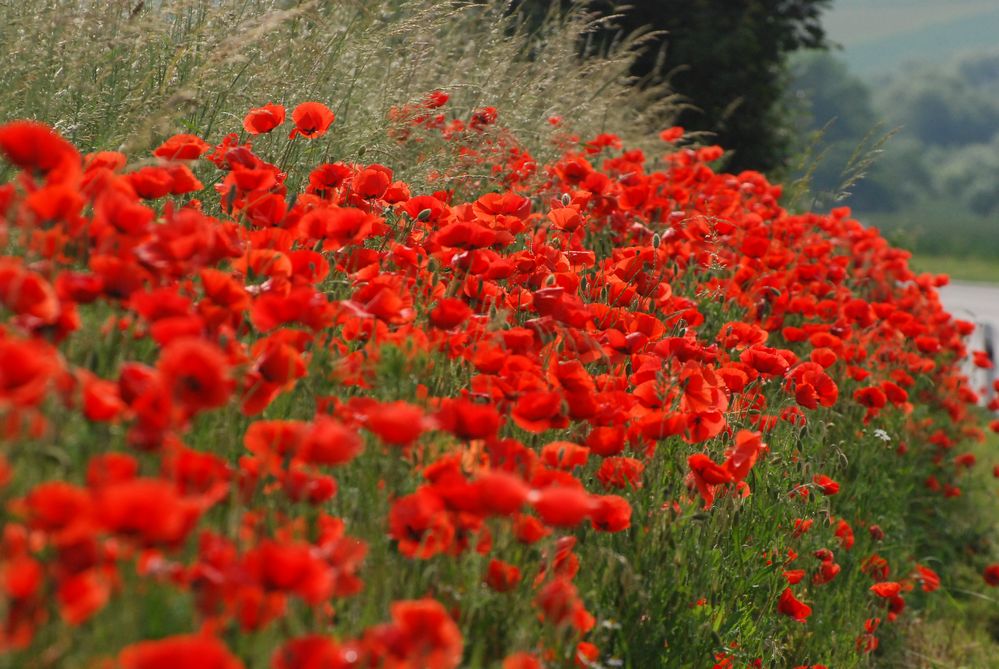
x: 880, y: 35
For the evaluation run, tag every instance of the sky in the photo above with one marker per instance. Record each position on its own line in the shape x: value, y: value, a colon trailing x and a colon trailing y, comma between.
x: 879, y: 35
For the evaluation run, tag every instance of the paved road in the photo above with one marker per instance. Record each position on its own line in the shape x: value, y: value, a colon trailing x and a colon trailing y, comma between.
x: 978, y: 302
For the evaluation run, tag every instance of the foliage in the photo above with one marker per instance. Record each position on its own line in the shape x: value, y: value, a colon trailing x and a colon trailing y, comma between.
x: 936, y: 180
x: 725, y: 60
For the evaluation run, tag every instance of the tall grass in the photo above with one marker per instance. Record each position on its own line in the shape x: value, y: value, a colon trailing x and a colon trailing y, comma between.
x: 126, y: 74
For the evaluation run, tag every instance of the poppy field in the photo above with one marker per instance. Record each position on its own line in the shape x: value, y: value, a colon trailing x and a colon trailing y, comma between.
x: 617, y: 409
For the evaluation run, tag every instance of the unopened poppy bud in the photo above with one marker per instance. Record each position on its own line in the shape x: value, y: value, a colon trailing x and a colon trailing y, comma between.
x: 566, y: 199
x: 424, y: 215
x: 656, y: 240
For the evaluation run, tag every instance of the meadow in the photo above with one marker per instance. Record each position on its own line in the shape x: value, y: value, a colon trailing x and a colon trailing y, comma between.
x: 334, y: 338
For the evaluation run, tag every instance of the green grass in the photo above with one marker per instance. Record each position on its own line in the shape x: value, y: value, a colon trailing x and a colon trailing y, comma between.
x: 112, y: 75
x: 944, y: 238
x: 982, y: 270
x: 960, y: 629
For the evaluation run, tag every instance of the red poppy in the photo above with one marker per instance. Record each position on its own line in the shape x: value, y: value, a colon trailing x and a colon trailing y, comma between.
x: 312, y: 119
x: 619, y: 472
x: 419, y: 523
x: 261, y: 120
x: 560, y: 605
x: 81, y: 595
x: 151, y: 510
x: 181, y: 147
x: 522, y: 661
x: 671, y: 134
x: 189, y: 651
x: 196, y: 373
x: 22, y: 577
x: 501, y: 576
x: 467, y: 420
x: 30, y: 145
x: 329, y: 442
x: 791, y: 606
x: 427, y: 635
x: 562, y: 506
x: 930, y: 579
x: 449, y: 313
x: 845, y: 534
x: 611, y: 513
x: 991, y: 574
x: 501, y: 493
x: 826, y: 484
x: 309, y: 652
x: 794, y: 576
x: 397, y: 423
x: 372, y: 181
x: 742, y: 457
x: 564, y: 455
x: 886, y: 589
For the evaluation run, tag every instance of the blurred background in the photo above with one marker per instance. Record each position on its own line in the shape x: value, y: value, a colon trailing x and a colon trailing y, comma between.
x: 928, y: 72
x: 888, y: 106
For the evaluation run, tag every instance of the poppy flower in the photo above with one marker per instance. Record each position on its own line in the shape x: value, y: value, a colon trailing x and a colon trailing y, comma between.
x: 502, y: 576
x: 308, y: 652
x: 82, y: 595
x: 560, y: 605
x: 929, y: 579
x: 562, y: 506
x: 151, y: 510
x: 501, y: 493
x: 30, y: 145
x: 22, y: 577
x: 196, y: 373
x: 611, y: 513
x: 372, y: 181
x: 181, y: 147
x: 468, y: 420
x: 621, y: 472
x: 420, y: 525
x: 705, y: 468
x: 312, y: 119
x: 397, y: 423
x: 845, y: 534
x: 522, y: 660
x: 426, y: 633
x: 262, y: 120
x: 886, y: 589
x: 672, y: 134
x: 449, y: 313
x: 742, y: 457
x: 991, y: 574
x: 791, y: 606
x: 193, y: 651
x: 329, y: 442
x: 826, y: 484
x: 794, y: 576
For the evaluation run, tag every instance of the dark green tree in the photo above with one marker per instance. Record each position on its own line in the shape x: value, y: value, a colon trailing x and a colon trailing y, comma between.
x: 726, y: 58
